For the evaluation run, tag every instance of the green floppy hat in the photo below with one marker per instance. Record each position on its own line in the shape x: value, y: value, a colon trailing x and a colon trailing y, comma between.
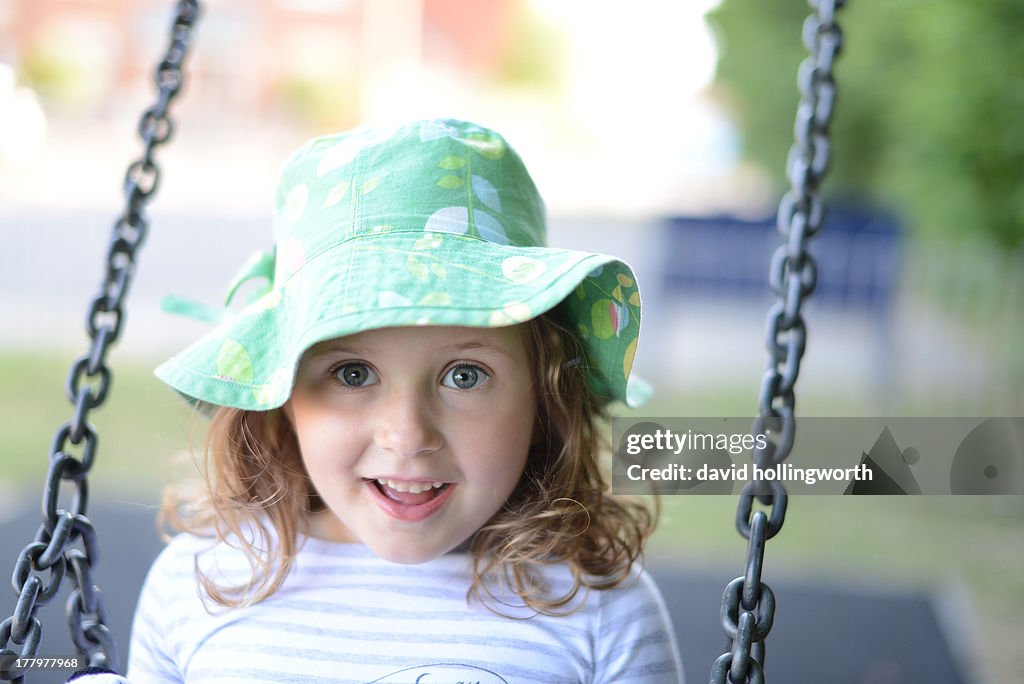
x: 429, y: 223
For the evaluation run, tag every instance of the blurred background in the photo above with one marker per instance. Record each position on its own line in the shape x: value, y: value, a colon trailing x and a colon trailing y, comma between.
x: 657, y: 131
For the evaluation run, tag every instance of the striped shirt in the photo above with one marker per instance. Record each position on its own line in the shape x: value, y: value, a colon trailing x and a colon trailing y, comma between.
x: 344, y: 615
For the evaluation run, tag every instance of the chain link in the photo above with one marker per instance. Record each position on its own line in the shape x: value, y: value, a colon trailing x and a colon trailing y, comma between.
x: 43, y: 564
x: 748, y: 604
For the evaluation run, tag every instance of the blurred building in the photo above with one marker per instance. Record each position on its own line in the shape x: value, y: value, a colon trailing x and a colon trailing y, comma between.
x: 257, y: 57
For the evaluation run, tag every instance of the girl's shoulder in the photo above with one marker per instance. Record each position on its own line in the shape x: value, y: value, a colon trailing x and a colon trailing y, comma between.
x: 637, y: 598
x: 180, y: 550
x: 637, y: 591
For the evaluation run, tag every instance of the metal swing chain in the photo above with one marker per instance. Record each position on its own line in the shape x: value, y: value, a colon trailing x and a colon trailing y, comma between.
x: 748, y: 604
x: 43, y: 564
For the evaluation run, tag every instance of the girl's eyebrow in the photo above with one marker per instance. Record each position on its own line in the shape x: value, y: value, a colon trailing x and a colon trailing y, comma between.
x: 465, y: 346
x: 363, y: 351
x: 339, y: 349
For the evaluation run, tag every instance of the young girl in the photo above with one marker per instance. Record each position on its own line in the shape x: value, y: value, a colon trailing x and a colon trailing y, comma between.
x: 402, y: 464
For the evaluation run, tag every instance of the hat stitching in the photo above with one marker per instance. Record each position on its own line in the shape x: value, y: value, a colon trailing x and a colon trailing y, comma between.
x: 457, y: 236
x: 328, y: 323
x: 437, y: 255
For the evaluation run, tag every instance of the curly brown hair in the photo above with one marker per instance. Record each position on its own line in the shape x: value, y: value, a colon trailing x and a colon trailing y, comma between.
x: 256, y: 490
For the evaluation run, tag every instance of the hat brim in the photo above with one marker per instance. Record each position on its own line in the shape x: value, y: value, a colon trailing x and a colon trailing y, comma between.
x: 249, y: 360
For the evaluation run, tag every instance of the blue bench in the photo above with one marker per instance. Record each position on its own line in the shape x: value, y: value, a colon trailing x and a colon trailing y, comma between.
x: 858, y: 254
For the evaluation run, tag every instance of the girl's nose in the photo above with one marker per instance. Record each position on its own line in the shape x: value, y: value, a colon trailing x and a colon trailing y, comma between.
x: 406, y: 425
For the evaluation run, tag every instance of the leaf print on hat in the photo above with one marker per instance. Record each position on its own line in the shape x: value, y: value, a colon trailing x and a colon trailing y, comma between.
x: 275, y: 386
x: 627, y: 360
x: 417, y: 268
x: 486, y: 193
x: 518, y: 311
x: 489, y: 228
x: 233, y: 362
x: 601, y: 319
x: 489, y: 145
x: 435, y: 299
x: 521, y: 269
x: 449, y: 220
x: 295, y: 205
x: 427, y: 242
x: 609, y: 318
x: 387, y: 299
x: 421, y: 271
x: 511, y: 313
x: 338, y: 156
x: 336, y: 194
x: 619, y: 313
x: 450, y: 182
x: 452, y: 163
x: 342, y: 153
x: 461, y: 221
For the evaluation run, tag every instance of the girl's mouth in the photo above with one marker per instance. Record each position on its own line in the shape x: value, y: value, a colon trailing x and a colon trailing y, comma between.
x: 409, y: 501
x: 410, y: 493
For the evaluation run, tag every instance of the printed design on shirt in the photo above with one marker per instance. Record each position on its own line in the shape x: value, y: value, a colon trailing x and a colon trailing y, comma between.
x: 442, y: 673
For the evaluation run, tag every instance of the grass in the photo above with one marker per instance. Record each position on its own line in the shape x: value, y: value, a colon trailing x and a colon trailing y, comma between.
x: 139, y: 425
x: 918, y: 542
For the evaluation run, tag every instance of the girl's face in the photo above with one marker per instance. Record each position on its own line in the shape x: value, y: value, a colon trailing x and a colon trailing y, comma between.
x: 413, y: 437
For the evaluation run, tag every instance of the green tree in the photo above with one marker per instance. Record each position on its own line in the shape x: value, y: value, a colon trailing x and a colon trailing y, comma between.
x: 931, y: 111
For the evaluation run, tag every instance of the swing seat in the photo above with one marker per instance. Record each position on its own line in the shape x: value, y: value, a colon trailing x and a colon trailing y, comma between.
x: 822, y: 633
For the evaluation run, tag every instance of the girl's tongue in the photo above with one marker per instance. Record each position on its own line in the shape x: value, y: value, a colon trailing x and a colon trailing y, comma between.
x: 409, y: 498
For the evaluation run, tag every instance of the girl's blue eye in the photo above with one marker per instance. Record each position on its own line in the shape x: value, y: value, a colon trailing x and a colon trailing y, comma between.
x: 356, y: 375
x: 465, y: 377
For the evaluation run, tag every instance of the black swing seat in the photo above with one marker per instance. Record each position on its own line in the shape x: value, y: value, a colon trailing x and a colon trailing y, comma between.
x: 822, y: 633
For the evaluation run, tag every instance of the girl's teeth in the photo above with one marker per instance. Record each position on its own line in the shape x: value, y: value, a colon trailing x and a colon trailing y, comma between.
x: 411, y: 487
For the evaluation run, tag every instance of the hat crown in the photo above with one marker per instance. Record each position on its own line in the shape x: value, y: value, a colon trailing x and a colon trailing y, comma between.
x: 428, y: 176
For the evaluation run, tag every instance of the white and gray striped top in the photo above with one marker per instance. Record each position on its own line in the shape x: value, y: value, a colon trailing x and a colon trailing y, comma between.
x: 345, y: 616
